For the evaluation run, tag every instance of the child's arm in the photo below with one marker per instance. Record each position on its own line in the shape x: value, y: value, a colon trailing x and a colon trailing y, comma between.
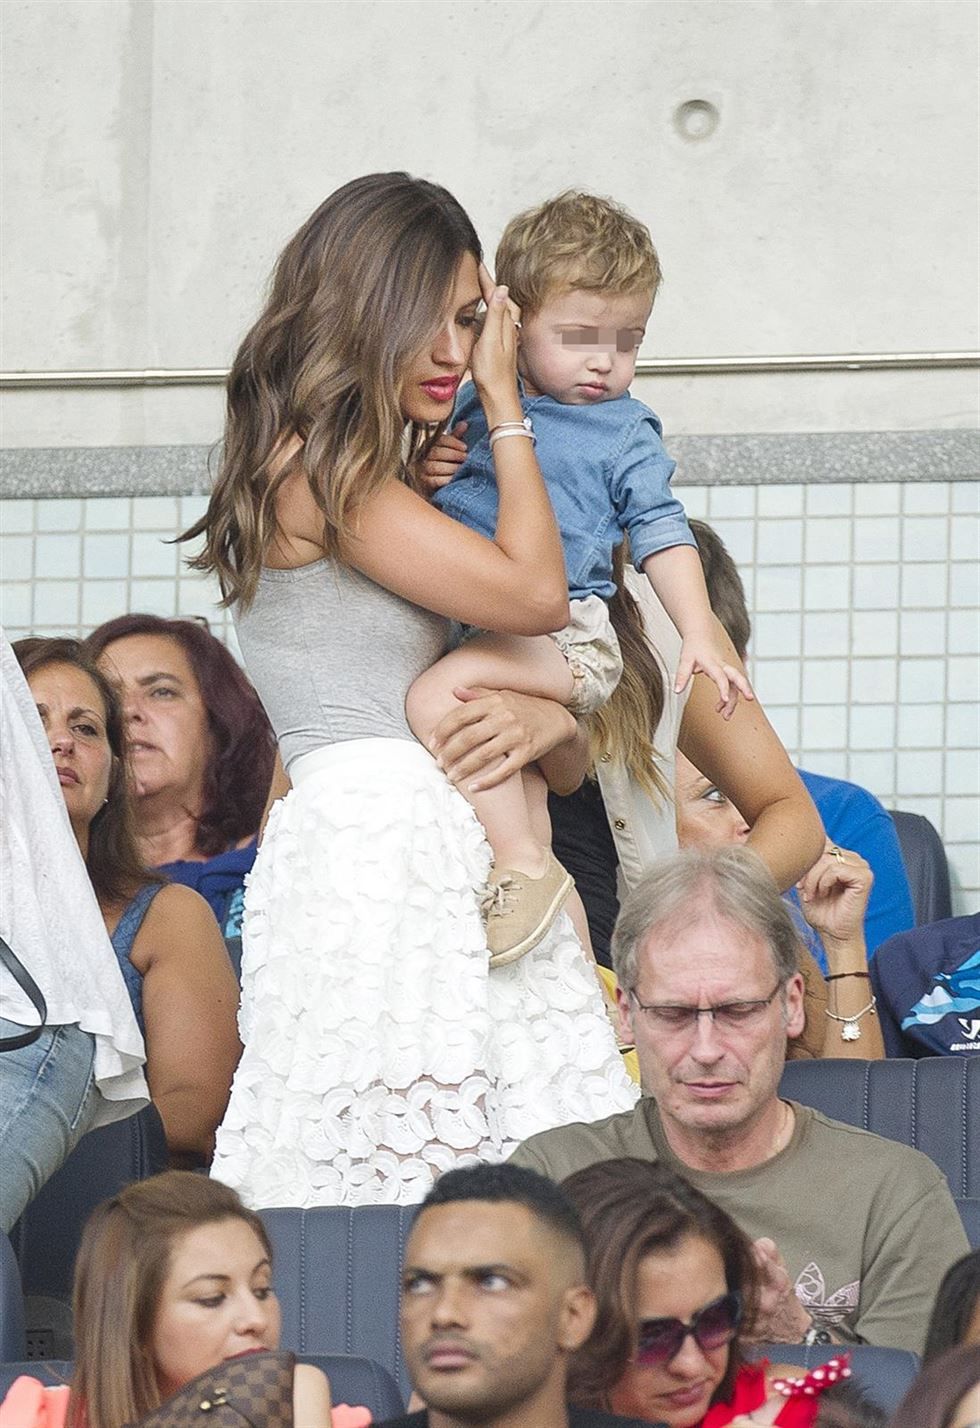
x: 678, y: 580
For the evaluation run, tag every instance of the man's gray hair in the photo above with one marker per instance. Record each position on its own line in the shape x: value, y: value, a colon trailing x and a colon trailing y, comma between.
x: 733, y: 883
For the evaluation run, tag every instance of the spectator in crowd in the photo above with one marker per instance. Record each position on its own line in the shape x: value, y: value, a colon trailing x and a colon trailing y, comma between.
x: 83, y: 1066
x: 173, y: 1277
x: 852, y: 817
x: 946, y: 1394
x: 853, y: 1232
x: 201, y: 753
x: 927, y: 983
x: 171, y: 955
x: 495, y: 1302
x: 664, y: 1259
x: 834, y: 898
x: 956, y: 1312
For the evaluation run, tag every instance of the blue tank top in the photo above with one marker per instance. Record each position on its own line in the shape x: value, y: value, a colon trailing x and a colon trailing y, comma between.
x: 122, y: 944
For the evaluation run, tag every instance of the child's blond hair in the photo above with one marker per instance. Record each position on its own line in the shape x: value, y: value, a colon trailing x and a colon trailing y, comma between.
x: 576, y: 240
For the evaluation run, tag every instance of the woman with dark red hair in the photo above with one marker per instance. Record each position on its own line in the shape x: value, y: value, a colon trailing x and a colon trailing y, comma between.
x: 201, y: 752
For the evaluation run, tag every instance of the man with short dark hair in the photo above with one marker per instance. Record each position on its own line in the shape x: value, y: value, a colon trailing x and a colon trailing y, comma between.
x: 494, y: 1300
x: 853, y: 1232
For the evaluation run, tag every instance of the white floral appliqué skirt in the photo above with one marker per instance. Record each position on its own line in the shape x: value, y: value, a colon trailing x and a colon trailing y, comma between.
x: 380, y: 1050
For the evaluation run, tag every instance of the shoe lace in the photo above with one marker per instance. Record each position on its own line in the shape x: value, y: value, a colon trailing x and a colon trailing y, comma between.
x: 497, y: 898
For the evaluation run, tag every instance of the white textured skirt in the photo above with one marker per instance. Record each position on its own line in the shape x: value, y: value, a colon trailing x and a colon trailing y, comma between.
x: 379, y: 1048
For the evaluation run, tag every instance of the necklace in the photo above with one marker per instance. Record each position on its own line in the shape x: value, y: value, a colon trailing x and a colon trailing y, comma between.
x: 784, y: 1133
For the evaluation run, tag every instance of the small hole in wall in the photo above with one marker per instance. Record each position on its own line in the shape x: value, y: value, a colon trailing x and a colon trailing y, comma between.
x: 696, y: 119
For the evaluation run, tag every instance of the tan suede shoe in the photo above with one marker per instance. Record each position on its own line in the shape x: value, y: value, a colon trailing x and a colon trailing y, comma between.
x: 520, y: 909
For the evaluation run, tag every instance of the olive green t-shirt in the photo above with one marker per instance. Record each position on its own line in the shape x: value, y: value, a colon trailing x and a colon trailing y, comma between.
x: 867, y: 1227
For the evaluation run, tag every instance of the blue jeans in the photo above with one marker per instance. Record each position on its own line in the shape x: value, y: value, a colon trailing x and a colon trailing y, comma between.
x: 48, y: 1100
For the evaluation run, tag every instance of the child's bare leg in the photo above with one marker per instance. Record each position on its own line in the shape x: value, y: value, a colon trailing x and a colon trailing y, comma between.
x: 528, y: 665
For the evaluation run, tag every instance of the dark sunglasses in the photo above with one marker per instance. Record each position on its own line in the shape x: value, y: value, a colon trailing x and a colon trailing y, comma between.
x: 659, y: 1340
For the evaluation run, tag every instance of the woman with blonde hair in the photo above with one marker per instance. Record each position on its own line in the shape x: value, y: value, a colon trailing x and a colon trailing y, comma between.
x: 379, y: 1048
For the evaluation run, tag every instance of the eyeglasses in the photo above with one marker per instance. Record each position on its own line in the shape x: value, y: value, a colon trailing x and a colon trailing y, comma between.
x: 660, y: 1340
x: 730, y: 1016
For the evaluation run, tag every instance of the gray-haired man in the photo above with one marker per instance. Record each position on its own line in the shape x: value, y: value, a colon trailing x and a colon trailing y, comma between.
x: 853, y: 1232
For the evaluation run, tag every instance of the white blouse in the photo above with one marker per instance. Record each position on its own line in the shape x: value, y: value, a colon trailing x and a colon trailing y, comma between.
x: 48, y: 912
x: 645, y: 830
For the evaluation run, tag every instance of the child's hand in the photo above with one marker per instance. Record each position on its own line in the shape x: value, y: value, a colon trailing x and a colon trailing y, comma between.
x: 444, y: 459
x: 701, y: 653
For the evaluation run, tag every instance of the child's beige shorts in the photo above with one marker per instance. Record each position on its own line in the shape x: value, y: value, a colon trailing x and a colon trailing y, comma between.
x: 591, y: 648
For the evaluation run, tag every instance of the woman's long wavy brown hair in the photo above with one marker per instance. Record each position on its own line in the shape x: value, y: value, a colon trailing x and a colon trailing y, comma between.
x: 624, y: 728
x: 355, y: 295
x: 115, y: 867
x: 120, y: 1272
x: 630, y: 1209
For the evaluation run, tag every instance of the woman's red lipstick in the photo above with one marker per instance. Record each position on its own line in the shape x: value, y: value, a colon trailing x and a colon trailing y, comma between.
x: 441, y: 389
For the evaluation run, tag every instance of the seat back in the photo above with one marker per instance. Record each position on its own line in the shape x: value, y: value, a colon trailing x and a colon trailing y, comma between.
x: 970, y: 1215
x: 931, y: 1103
x: 45, y: 1238
x: 926, y: 867
x: 12, y: 1337
x: 338, y: 1273
x: 352, y: 1380
x: 884, y: 1374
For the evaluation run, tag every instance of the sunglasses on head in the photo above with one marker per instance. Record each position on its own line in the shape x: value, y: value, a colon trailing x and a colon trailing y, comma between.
x: 659, y: 1340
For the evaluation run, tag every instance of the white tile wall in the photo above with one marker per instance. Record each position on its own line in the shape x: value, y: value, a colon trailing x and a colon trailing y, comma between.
x: 865, y: 602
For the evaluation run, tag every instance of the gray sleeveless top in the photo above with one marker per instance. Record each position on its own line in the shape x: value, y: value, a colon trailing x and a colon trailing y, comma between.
x: 332, y: 655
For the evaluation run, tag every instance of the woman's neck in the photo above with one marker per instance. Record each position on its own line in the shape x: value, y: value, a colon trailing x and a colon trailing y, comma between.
x: 167, y: 834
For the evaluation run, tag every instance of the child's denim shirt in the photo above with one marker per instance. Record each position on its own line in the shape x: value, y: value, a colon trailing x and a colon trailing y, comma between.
x: 606, y: 471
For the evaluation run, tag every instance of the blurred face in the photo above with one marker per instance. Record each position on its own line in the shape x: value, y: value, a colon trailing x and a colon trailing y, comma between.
x: 708, y: 1077
x: 429, y: 385
x: 167, y: 737
x: 705, y: 817
x: 967, y: 1413
x: 217, y: 1303
x: 488, y: 1307
x: 580, y: 347
x: 74, y: 719
x: 675, y: 1283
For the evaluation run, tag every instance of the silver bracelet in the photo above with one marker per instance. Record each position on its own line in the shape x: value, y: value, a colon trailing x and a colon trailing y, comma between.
x: 850, y: 1030
x: 513, y: 428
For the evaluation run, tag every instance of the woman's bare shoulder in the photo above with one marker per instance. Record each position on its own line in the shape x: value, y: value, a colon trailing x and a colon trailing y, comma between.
x: 311, y: 1397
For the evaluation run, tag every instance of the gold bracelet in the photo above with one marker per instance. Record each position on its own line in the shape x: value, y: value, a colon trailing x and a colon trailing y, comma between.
x: 850, y: 1030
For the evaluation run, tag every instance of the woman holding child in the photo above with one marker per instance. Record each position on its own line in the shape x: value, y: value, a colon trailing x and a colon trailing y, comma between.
x: 379, y: 1048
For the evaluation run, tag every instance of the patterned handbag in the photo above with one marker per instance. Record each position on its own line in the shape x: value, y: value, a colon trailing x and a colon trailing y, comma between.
x: 255, y: 1391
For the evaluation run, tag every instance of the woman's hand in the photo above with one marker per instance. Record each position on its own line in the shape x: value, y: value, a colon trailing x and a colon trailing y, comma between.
x: 446, y: 456
x: 494, y: 360
x: 834, y: 895
x: 496, y: 732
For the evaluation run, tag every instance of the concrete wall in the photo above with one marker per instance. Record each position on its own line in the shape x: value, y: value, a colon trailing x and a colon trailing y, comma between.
x: 158, y: 153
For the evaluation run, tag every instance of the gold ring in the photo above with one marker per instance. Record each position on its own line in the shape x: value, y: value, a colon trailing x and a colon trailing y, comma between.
x: 835, y: 852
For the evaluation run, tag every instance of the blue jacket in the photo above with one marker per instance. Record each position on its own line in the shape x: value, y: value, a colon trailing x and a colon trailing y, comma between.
x: 928, y: 987
x: 606, y: 471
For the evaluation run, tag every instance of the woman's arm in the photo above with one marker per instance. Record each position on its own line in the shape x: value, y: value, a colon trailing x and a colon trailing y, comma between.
x: 745, y: 759
x: 515, y: 583
x: 190, y: 1002
x: 834, y: 898
x: 311, y: 1397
